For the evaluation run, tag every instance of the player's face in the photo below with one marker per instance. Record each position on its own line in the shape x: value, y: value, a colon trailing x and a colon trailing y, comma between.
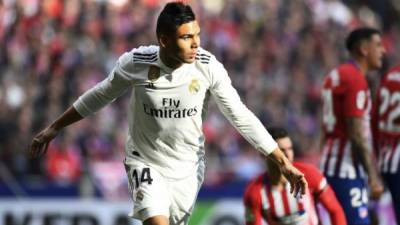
x: 375, y: 52
x: 286, y: 145
x: 183, y: 46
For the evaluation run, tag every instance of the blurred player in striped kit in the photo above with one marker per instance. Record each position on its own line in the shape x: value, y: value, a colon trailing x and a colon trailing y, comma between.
x: 347, y: 158
x: 267, y: 197
x: 386, y: 127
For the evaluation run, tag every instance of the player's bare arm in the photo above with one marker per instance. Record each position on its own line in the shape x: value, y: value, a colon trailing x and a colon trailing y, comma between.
x: 41, y: 141
x: 364, y: 153
x: 298, y: 183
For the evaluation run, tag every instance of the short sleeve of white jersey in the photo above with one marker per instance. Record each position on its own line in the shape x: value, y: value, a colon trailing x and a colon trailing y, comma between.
x: 228, y: 101
x: 117, y: 82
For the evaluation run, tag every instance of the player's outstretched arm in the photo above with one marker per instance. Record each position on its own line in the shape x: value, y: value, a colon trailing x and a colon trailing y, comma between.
x: 117, y: 82
x: 298, y: 183
x: 364, y: 153
x: 328, y: 199
x: 41, y: 141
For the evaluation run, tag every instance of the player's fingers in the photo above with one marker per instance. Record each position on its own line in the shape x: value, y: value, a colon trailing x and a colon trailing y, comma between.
x: 44, y: 150
x: 36, y: 147
x: 33, y: 148
x: 302, y: 186
x: 296, y: 190
x: 292, y: 185
x: 299, y: 186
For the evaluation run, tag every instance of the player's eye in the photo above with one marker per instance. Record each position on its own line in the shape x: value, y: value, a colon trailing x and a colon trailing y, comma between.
x: 186, y: 37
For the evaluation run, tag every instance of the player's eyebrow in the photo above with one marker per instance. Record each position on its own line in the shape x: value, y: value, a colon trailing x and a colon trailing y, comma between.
x: 186, y: 35
x: 190, y: 35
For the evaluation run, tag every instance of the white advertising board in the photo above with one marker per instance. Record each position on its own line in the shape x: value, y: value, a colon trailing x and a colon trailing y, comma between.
x: 64, y: 212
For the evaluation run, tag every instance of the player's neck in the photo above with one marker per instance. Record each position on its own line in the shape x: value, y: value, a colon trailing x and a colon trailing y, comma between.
x: 169, y: 61
x: 361, y: 64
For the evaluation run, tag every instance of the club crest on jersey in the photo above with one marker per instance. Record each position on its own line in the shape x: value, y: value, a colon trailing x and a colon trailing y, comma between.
x: 154, y: 73
x: 363, y: 212
x: 194, y: 86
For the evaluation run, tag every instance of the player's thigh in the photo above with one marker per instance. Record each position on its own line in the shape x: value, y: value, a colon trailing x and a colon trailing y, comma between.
x: 353, y: 197
x: 184, y: 193
x: 149, y: 190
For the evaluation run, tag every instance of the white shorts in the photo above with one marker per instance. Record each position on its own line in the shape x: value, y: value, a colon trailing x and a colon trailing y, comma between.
x: 154, y: 194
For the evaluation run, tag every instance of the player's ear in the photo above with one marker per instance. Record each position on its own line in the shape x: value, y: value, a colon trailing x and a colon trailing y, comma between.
x: 364, y: 48
x: 164, y: 40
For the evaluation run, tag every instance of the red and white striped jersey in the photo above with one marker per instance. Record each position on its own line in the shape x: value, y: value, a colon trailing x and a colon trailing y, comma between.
x: 386, y: 122
x: 264, y: 202
x: 345, y: 94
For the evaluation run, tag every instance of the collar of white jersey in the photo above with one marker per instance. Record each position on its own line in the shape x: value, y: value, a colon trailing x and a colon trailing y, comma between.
x: 162, y: 65
x: 167, y: 69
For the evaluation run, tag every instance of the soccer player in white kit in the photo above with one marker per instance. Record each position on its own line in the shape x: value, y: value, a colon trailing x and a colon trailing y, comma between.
x: 171, y: 85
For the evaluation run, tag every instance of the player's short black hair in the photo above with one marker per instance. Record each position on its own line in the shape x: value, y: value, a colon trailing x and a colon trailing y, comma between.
x: 358, y: 35
x: 173, y: 15
x: 278, y: 132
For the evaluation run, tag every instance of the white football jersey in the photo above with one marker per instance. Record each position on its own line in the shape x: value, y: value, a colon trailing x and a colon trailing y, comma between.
x: 168, y: 107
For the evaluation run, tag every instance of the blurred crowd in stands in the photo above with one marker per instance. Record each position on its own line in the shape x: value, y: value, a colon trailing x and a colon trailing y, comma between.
x: 276, y: 52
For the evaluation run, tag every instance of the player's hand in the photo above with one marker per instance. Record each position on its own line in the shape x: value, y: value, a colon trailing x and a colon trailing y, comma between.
x: 41, y: 141
x: 298, y: 183
x: 376, y: 188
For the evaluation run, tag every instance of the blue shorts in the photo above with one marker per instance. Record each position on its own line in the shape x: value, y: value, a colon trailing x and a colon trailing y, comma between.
x: 353, y: 197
